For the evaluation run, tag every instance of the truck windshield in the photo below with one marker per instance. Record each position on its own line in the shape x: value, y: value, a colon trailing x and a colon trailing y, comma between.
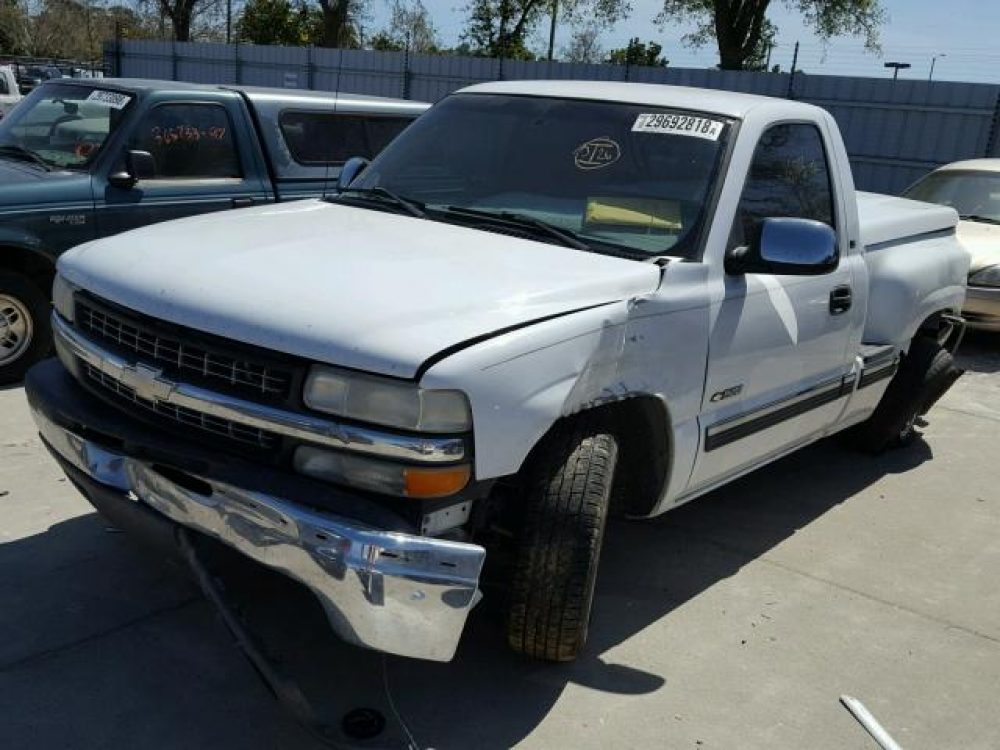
x: 62, y: 126
x: 619, y: 178
x: 975, y: 195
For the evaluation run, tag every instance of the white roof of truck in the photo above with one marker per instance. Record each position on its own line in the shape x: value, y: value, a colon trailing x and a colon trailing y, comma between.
x: 725, y: 103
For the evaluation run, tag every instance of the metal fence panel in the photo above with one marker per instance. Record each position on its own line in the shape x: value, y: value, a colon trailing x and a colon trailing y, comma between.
x: 895, y: 131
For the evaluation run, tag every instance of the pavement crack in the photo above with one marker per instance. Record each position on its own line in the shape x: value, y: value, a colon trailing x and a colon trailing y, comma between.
x: 965, y: 412
x: 69, y: 646
x: 880, y: 600
x: 751, y: 557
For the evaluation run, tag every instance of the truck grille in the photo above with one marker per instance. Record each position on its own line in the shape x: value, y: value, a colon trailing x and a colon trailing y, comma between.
x: 242, y: 434
x: 217, y: 364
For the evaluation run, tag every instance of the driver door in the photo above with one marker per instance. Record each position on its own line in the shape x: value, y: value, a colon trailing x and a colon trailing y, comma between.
x: 778, y: 347
x: 200, y: 167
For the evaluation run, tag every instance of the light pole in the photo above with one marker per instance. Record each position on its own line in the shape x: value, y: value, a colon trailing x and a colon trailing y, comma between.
x: 930, y: 76
x: 896, y: 67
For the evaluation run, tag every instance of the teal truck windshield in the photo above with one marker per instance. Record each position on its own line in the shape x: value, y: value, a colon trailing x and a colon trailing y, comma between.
x: 62, y: 126
x: 623, y: 178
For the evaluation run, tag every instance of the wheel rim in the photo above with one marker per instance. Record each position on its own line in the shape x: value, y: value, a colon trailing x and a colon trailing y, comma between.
x: 908, y: 426
x: 16, y: 329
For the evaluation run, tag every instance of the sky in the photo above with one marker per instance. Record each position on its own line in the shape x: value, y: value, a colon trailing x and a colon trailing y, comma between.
x: 962, y: 33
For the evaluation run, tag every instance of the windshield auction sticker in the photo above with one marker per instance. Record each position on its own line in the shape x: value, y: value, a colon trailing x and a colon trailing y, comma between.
x: 665, y: 124
x: 113, y: 99
x: 596, y: 153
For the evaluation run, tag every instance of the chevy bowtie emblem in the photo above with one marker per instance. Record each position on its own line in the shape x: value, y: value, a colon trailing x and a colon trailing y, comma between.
x: 146, y: 382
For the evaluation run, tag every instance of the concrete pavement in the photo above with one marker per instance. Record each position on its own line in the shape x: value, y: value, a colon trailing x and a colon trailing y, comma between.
x: 736, y: 621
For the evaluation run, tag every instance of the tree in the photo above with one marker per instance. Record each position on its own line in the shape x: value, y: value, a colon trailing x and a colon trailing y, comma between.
x: 501, y: 28
x: 288, y: 22
x: 341, y: 25
x: 639, y: 53
x: 740, y: 27
x: 584, y: 46
x: 410, y: 27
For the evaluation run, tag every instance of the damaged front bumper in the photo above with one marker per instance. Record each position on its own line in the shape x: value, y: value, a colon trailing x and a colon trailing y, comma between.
x: 387, y: 590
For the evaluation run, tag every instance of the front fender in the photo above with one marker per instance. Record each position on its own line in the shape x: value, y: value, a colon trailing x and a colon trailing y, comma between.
x: 519, y: 384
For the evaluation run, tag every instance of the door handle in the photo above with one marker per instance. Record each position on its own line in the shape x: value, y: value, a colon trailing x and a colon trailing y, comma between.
x: 242, y: 202
x: 840, y: 300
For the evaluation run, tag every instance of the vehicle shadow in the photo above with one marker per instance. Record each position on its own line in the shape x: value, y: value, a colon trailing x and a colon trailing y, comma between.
x: 486, y: 698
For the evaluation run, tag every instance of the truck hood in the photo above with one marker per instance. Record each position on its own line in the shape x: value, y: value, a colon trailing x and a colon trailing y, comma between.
x: 360, y: 288
x: 23, y: 185
x: 982, y: 241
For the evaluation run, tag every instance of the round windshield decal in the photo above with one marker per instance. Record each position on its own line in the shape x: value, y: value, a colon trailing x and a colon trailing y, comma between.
x: 597, y: 153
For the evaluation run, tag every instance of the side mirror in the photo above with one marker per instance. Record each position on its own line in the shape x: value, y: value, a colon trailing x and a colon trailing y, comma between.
x: 139, y: 165
x: 785, y: 246
x: 351, y: 169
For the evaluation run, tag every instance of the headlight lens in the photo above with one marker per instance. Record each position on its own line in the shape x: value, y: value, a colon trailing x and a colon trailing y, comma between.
x: 369, y: 398
x: 381, y: 476
x: 989, y: 276
x: 62, y: 297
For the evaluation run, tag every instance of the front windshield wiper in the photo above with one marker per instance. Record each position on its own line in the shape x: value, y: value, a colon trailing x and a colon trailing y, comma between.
x: 14, y: 149
x: 412, y: 207
x: 979, y: 218
x: 567, y: 237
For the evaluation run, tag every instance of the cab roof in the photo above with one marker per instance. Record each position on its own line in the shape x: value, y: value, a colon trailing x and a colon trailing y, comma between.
x: 726, y: 103
x: 253, y: 93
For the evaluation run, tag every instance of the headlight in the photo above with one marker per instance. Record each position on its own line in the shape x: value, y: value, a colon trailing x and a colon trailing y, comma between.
x: 369, y: 398
x: 62, y: 297
x: 989, y: 276
x: 381, y: 476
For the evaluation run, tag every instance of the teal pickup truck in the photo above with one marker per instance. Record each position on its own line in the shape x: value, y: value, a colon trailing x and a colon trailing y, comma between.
x: 85, y: 159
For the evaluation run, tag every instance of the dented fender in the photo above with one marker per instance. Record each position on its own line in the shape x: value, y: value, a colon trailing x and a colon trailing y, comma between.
x: 521, y: 383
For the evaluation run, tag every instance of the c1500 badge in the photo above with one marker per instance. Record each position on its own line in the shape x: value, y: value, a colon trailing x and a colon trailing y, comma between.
x: 597, y: 153
x: 718, y: 396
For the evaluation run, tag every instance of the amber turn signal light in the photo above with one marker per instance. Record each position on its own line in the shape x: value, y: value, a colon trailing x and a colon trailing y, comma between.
x: 436, y: 482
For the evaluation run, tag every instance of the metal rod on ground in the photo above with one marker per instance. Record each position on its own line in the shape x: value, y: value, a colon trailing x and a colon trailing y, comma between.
x: 869, y: 722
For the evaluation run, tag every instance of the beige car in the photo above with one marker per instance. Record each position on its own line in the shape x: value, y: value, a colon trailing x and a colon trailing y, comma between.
x: 973, y: 189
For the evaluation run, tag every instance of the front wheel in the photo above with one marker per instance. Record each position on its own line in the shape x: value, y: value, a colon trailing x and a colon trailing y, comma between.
x: 25, y: 335
x: 568, y: 494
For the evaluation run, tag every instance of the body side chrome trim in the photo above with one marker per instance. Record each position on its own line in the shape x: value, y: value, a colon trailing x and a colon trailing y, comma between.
x: 288, y: 424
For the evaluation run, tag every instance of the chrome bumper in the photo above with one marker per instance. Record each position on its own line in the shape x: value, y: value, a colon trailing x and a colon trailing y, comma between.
x: 982, y: 307
x: 393, y: 592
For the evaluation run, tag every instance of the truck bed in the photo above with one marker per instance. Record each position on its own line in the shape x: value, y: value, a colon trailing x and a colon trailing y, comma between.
x: 916, y: 265
x: 885, y: 218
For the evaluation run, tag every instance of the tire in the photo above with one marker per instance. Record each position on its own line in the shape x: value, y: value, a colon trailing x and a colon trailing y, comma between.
x: 25, y: 330
x: 926, y: 372
x: 568, y: 494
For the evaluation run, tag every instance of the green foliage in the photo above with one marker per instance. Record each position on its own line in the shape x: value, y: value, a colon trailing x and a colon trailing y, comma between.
x: 638, y: 53
x: 410, y: 27
x: 288, y: 22
x: 497, y: 28
x: 742, y: 30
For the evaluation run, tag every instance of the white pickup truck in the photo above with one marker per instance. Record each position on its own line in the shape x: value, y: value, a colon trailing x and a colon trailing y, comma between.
x: 10, y: 93
x: 545, y: 302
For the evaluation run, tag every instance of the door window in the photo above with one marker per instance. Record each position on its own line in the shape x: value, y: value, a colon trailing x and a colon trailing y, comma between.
x: 4, y: 89
x: 789, y: 177
x: 321, y: 138
x: 189, y: 141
